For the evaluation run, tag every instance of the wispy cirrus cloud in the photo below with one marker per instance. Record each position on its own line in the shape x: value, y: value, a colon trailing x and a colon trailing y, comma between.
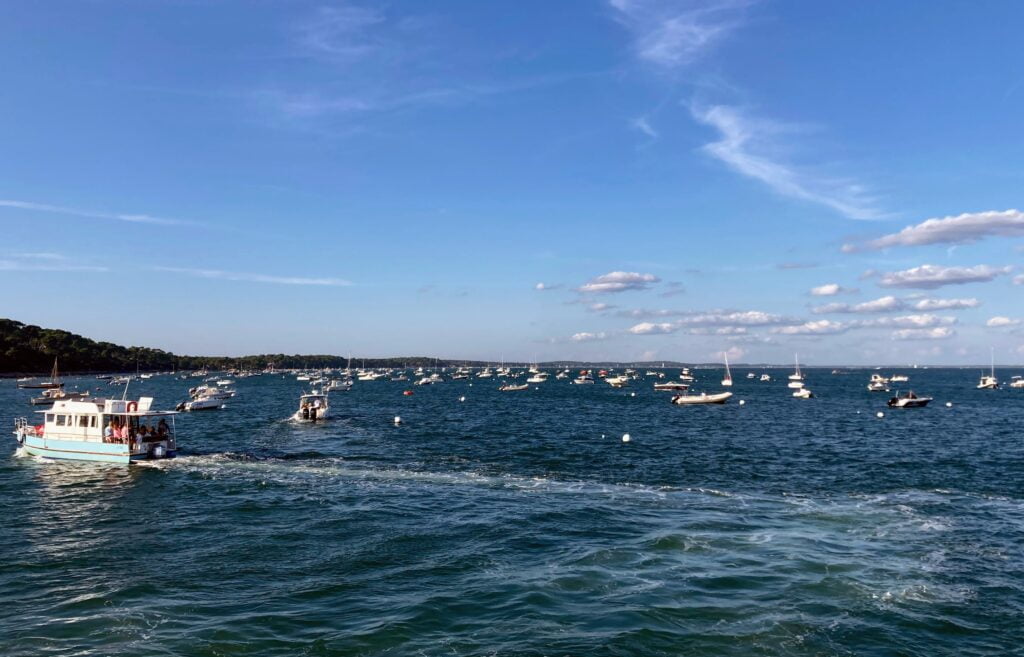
x: 964, y: 228
x: 927, y: 277
x: 745, y: 318
x: 750, y: 147
x: 42, y: 262
x: 94, y: 214
x: 618, y: 281
x: 545, y: 287
x: 255, y: 278
x: 669, y: 34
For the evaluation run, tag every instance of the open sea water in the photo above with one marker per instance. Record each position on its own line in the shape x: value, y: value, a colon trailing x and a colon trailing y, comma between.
x: 520, y: 523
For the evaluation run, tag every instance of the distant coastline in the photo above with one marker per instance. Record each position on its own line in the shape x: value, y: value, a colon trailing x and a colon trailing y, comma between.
x: 28, y: 350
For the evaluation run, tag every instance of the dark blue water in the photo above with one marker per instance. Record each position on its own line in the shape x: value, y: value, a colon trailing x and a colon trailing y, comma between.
x: 521, y: 524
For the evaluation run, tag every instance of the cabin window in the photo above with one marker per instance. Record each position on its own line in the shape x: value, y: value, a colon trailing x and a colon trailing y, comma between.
x: 61, y: 420
x: 83, y: 420
x: 92, y: 421
x: 49, y: 417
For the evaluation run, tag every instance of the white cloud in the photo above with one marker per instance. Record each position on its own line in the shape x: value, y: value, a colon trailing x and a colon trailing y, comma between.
x: 41, y: 262
x: 881, y: 305
x: 256, y: 278
x: 1018, y: 279
x: 826, y: 290
x: 747, y: 146
x: 599, y: 307
x: 544, y: 287
x: 933, y: 276
x: 938, y: 333
x: 907, y: 321
x: 618, y: 281
x: 92, y: 214
x: 960, y: 229
x: 343, y: 32
x: 650, y: 328
x: 734, y: 352
x: 999, y: 322
x: 945, y: 304
x: 588, y: 337
x: 672, y: 34
x: 817, y: 327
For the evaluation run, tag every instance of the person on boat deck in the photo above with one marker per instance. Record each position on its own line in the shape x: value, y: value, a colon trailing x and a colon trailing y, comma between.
x: 143, y: 433
x: 162, y: 429
x: 108, y: 433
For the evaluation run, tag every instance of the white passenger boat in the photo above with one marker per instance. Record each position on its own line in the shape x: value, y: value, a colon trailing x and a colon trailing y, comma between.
x: 313, y: 407
x: 110, y: 431
x: 702, y: 398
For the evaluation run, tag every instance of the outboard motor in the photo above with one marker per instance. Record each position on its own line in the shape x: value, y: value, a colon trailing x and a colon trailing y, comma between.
x: 305, y: 413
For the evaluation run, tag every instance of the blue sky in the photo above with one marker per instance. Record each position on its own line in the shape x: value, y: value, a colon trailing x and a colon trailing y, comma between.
x: 624, y: 179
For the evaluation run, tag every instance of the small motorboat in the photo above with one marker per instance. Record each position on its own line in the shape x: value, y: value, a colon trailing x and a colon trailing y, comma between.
x: 201, y: 404
x: 617, y: 381
x: 1017, y: 381
x: 987, y: 381
x: 583, y: 379
x: 538, y: 377
x: 803, y: 393
x: 765, y: 378
x: 702, y: 398
x: 338, y: 385
x: 672, y: 385
x: 908, y: 400
x: 50, y: 395
x: 313, y: 406
x: 899, y: 378
x: 511, y: 387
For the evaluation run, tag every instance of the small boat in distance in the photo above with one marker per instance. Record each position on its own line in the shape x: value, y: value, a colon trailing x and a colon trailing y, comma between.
x: 702, y: 398
x: 54, y: 381
x: 727, y: 381
x: 617, y: 381
x: 1017, y: 381
x: 511, y: 387
x: 672, y: 385
x: 878, y: 383
x: 989, y: 381
x: 908, y: 400
x: 796, y: 375
x: 803, y: 393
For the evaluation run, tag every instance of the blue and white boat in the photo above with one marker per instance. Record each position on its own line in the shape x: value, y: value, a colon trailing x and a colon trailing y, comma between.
x: 106, y: 430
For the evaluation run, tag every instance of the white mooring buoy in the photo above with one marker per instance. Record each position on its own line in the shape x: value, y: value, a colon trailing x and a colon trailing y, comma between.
x: 398, y: 419
x: 949, y: 404
x: 462, y: 399
x: 625, y: 437
x: 742, y: 402
x: 879, y: 414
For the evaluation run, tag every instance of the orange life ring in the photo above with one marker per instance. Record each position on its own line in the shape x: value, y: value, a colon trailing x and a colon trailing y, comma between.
x: 132, y: 406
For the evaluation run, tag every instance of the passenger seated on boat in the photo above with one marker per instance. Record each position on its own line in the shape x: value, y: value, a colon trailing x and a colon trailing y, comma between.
x: 162, y: 429
x: 143, y: 433
x: 108, y: 434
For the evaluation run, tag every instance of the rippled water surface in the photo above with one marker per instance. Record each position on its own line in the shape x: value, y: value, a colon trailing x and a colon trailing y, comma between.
x: 522, y: 524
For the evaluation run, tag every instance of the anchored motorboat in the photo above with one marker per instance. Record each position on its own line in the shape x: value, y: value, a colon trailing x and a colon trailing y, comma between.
x: 111, y: 431
x: 511, y: 387
x: 908, y: 400
x: 538, y: 377
x: 50, y: 395
x: 803, y: 393
x: 989, y: 381
x: 702, y: 398
x: 313, y: 406
x: 1017, y: 382
x: 620, y: 381
x: 672, y: 385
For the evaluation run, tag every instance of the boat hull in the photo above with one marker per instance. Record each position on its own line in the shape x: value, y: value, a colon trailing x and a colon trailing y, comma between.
x: 76, y: 450
x: 689, y: 400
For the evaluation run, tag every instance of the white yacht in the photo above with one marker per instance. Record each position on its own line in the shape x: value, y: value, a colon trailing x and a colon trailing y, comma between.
x: 1017, y: 381
x: 313, y: 407
x: 538, y: 377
